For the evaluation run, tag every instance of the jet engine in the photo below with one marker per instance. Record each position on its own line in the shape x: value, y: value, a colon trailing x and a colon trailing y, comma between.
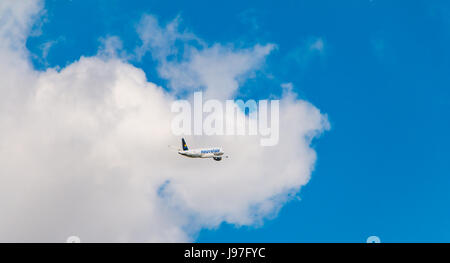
x: 217, y: 158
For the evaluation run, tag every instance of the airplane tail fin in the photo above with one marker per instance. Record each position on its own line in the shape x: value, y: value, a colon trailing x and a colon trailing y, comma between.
x: 184, y: 145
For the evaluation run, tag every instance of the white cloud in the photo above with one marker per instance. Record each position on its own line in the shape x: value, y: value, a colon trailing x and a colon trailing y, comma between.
x: 311, y: 48
x: 160, y: 41
x: 83, y: 151
x: 217, y: 68
x: 317, y: 45
x: 112, y: 47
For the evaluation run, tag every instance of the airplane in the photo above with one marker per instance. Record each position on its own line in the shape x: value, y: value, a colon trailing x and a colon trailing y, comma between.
x: 216, y: 153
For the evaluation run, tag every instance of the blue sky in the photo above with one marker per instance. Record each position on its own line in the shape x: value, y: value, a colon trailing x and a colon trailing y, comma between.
x: 382, y: 76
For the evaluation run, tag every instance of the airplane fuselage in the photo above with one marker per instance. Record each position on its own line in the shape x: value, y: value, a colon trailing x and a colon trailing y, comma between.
x: 215, y: 153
